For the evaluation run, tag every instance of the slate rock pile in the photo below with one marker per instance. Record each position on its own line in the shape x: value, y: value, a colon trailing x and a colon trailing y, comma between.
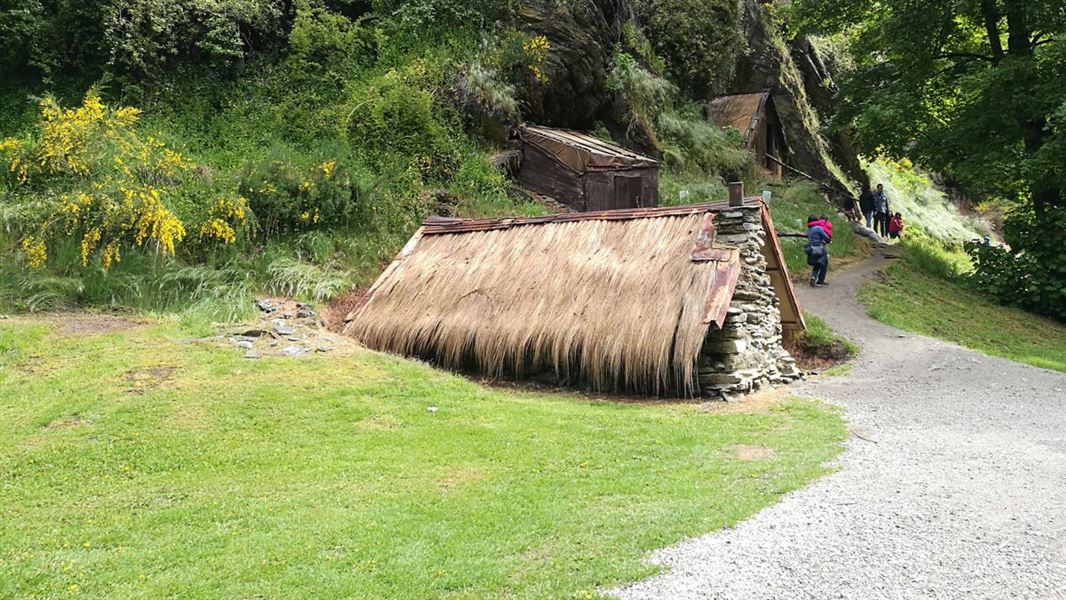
x: 283, y: 327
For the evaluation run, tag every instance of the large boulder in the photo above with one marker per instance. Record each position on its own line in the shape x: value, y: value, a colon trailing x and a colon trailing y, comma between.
x: 582, y: 37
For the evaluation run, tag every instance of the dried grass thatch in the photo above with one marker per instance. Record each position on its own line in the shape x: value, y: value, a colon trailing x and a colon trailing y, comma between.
x: 617, y: 303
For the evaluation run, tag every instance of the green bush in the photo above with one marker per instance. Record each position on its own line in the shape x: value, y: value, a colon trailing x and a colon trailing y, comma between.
x: 1031, y: 273
x: 700, y: 41
x: 325, y: 46
x: 286, y: 197
x: 395, y: 114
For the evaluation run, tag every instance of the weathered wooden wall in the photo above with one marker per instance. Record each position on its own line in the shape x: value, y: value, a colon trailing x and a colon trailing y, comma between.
x: 541, y: 173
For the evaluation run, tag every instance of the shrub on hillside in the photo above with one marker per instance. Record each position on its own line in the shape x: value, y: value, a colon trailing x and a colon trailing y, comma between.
x: 1031, y: 273
x: 700, y: 40
x: 88, y: 173
x: 325, y: 46
x: 690, y: 143
x: 397, y: 115
x: 286, y: 197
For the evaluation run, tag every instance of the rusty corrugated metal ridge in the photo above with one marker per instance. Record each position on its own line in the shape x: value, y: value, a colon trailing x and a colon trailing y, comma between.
x: 447, y: 225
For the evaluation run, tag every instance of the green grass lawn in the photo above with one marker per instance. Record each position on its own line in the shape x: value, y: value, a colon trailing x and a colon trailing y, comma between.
x: 909, y: 299
x: 136, y: 464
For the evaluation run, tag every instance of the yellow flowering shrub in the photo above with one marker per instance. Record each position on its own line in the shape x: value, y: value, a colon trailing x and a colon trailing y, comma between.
x: 36, y: 251
x: 106, y: 220
x: 287, y: 197
x: 108, y: 186
x: 16, y: 160
x: 87, y: 141
x: 536, y: 50
x: 226, y: 220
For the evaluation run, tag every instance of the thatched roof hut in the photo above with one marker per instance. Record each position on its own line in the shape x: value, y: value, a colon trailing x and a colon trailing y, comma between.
x: 585, y: 173
x: 755, y: 117
x: 618, y: 300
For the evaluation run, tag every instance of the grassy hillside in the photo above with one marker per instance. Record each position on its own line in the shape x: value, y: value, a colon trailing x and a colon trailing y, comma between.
x: 127, y: 469
x: 914, y: 297
x: 925, y: 208
x: 927, y: 292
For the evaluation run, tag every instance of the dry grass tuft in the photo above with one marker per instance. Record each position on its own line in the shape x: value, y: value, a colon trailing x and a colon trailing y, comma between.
x: 617, y: 302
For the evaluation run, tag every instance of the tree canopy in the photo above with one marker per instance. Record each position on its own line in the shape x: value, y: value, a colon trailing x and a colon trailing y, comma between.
x: 975, y: 89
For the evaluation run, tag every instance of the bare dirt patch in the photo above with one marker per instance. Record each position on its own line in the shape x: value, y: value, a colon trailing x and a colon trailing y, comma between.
x: 379, y: 422
x: 747, y: 452
x: 90, y: 323
x: 68, y: 422
x: 335, y: 313
x: 758, y: 403
x: 460, y: 475
x: 149, y: 378
x: 817, y: 357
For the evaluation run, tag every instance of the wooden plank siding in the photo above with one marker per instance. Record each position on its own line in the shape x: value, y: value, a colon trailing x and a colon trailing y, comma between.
x: 541, y: 173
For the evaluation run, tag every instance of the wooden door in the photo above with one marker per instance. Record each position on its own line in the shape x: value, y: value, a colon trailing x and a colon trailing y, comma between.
x: 627, y: 192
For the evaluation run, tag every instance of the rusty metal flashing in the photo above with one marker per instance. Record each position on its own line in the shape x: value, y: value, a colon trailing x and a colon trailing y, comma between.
x: 449, y: 225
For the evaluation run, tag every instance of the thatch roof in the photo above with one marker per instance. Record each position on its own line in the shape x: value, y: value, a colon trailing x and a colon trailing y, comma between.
x: 581, y: 152
x: 622, y: 298
x: 740, y: 111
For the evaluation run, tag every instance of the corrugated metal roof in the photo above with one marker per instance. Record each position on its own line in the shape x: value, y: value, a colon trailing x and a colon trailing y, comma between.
x: 582, y: 152
x: 740, y: 111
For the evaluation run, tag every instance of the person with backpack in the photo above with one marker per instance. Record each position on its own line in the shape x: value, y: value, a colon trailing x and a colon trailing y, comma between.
x: 866, y: 204
x: 817, y: 253
x: 881, y: 211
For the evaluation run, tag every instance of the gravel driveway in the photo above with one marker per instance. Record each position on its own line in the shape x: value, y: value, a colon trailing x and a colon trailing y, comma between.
x: 952, y: 485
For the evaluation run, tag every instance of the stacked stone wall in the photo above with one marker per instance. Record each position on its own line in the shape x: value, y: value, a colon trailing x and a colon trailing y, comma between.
x: 746, y: 353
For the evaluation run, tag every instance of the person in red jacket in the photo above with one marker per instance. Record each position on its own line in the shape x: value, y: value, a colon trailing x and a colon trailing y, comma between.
x: 895, y: 226
x: 823, y: 222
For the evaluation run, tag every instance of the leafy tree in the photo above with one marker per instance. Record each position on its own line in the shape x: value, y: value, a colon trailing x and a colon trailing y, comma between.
x: 975, y: 89
x: 700, y: 40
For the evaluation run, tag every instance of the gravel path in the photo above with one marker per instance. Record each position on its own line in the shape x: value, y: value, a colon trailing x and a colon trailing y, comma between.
x: 952, y: 484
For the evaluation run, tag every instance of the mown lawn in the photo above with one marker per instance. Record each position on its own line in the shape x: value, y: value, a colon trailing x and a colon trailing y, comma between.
x: 909, y: 299
x: 136, y: 464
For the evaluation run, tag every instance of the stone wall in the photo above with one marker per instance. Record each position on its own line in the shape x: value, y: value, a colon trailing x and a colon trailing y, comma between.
x: 747, y: 352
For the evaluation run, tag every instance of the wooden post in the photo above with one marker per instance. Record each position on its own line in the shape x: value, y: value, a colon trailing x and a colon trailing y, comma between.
x: 736, y: 193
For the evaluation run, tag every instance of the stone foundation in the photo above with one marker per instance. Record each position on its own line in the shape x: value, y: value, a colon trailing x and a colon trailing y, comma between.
x: 746, y: 353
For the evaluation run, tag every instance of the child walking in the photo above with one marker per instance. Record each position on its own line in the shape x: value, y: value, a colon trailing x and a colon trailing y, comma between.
x: 895, y: 226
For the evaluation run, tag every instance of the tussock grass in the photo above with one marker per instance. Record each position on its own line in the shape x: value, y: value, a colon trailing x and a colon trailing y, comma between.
x: 571, y: 296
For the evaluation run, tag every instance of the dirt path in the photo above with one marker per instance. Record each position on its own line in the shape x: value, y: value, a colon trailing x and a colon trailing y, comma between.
x: 952, y: 485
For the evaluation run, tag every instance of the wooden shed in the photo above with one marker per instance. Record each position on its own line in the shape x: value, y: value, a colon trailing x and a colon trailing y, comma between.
x: 676, y: 301
x: 755, y: 117
x: 585, y: 173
